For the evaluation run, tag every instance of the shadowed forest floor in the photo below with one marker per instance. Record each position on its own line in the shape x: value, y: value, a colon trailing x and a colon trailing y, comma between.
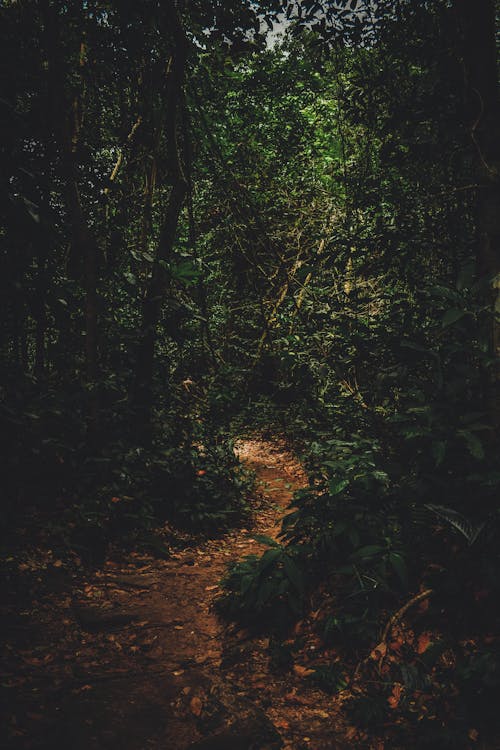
x: 135, y: 656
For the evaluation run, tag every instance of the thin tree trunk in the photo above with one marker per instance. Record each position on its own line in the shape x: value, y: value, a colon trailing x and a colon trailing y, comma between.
x: 155, y: 293
x: 66, y: 122
x: 477, y: 25
x: 40, y: 311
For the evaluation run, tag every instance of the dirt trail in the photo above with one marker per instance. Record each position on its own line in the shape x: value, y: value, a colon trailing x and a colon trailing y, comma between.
x: 136, y: 658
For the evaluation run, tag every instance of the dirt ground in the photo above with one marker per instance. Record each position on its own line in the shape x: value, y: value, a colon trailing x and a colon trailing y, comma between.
x: 135, y: 657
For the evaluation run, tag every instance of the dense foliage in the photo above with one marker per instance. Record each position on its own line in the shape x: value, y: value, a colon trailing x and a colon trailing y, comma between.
x: 201, y: 231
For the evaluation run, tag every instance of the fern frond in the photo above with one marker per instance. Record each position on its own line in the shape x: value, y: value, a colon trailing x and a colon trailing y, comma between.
x: 470, y: 530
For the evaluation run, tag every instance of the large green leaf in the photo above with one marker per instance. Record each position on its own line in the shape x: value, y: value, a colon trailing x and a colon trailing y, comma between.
x: 452, y: 316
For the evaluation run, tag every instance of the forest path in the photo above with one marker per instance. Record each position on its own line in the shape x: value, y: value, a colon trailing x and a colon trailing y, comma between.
x: 137, y: 657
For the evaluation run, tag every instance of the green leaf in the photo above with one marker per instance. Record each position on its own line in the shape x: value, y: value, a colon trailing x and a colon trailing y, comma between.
x: 129, y: 276
x: 399, y: 565
x: 246, y: 583
x: 452, y: 316
x: 418, y: 348
x: 336, y: 486
x: 474, y: 445
x: 185, y: 271
x: 369, y: 551
x: 294, y: 574
x: 466, y: 276
x: 439, y: 451
x: 268, y: 558
x: 266, y: 591
x: 264, y: 539
x: 470, y: 529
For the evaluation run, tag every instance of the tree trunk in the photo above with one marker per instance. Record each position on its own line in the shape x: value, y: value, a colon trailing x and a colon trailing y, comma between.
x: 155, y: 293
x: 66, y: 122
x: 40, y: 312
x: 477, y: 27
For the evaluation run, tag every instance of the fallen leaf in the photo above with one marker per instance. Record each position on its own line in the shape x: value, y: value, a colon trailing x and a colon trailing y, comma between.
x: 423, y: 642
x: 395, y: 645
x: 196, y: 705
x: 379, y: 651
x: 423, y: 606
x: 395, y: 697
x: 302, y: 671
x: 292, y: 697
x: 178, y: 672
x: 282, y: 724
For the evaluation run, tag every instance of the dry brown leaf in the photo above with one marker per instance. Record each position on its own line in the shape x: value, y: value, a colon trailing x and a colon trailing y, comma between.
x: 423, y: 606
x: 395, y: 644
x: 301, y: 671
x: 196, y: 706
x: 379, y: 651
x: 282, y: 724
x: 292, y: 697
x: 395, y: 697
x: 423, y: 642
